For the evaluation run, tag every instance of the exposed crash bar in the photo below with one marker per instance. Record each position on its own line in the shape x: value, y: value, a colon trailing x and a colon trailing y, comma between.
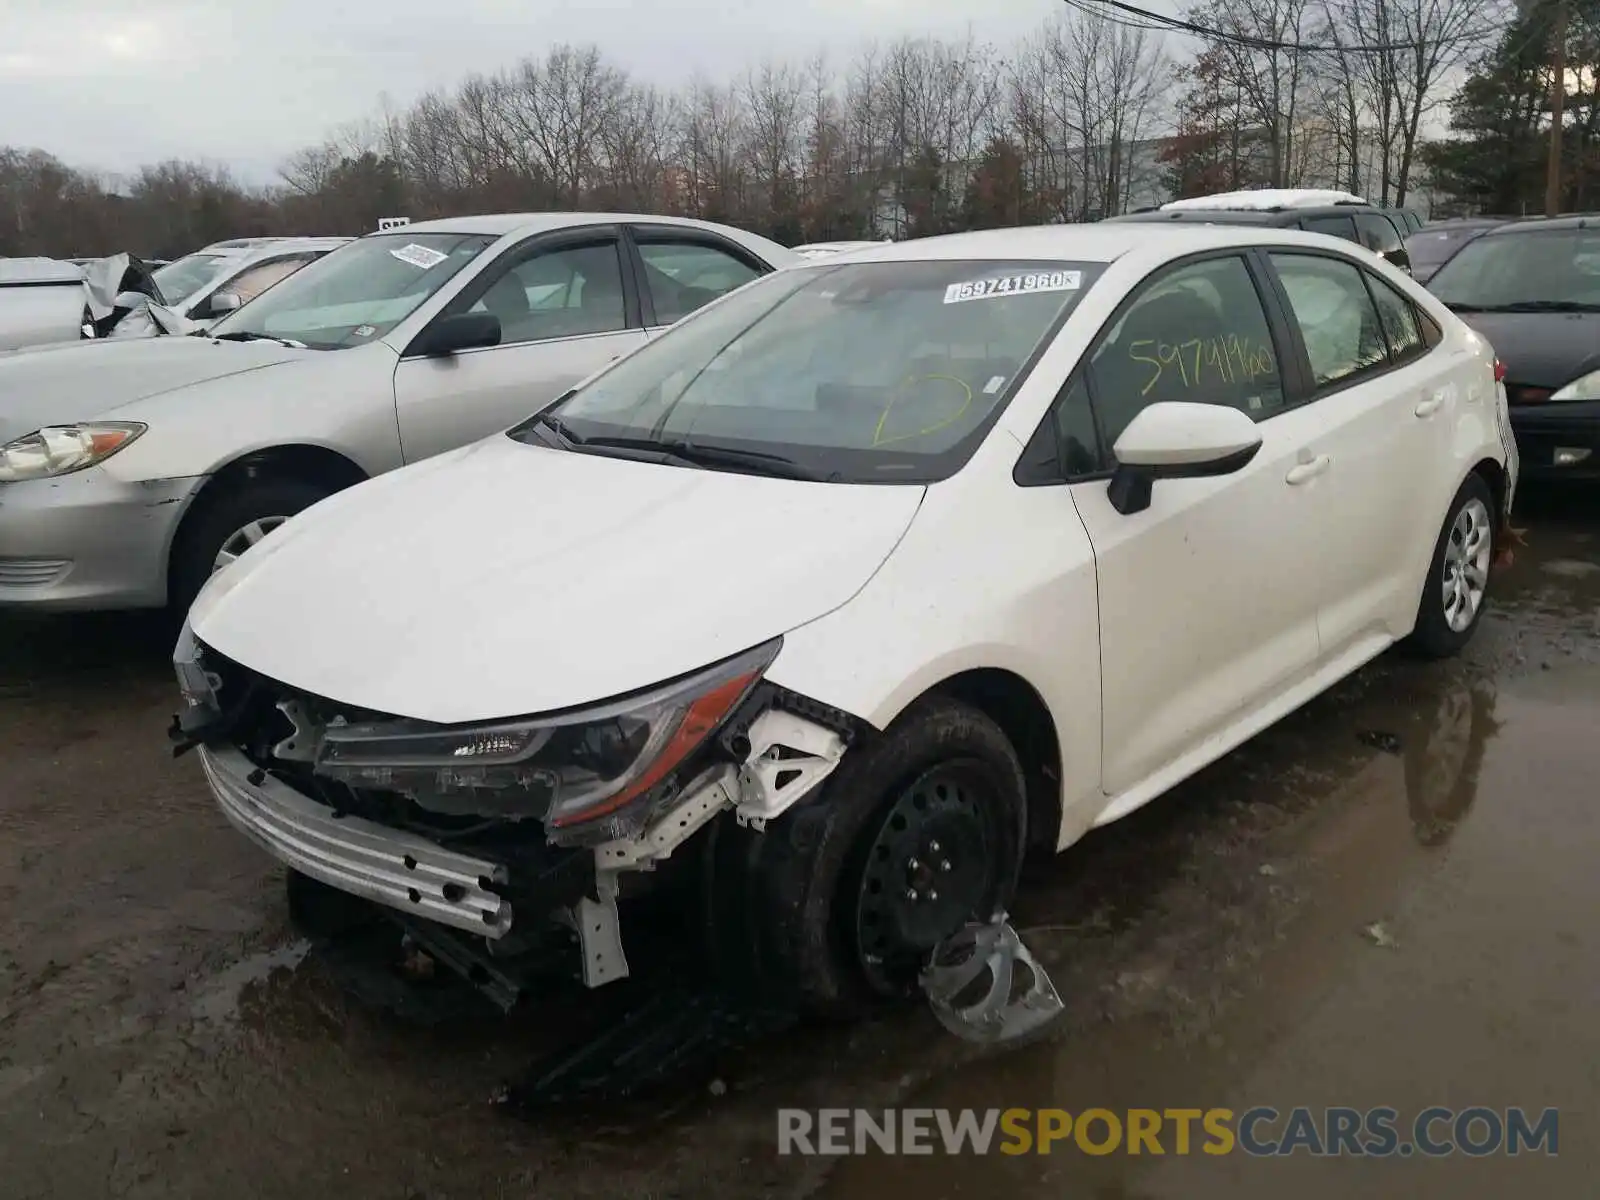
x: 397, y: 869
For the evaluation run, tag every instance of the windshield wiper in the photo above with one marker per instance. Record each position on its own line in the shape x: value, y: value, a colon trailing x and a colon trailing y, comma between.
x: 681, y: 452
x: 692, y: 454
x: 244, y: 336
x: 756, y: 461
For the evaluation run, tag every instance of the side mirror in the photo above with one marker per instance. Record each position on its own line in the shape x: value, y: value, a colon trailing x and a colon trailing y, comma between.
x: 1178, y: 439
x: 462, y: 331
x: 223, y: 302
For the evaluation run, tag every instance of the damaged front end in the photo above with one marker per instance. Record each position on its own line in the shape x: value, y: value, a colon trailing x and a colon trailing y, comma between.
x: 497, y: 844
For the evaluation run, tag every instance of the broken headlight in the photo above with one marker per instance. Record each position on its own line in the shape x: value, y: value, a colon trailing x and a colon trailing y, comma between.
x: 565, y: 769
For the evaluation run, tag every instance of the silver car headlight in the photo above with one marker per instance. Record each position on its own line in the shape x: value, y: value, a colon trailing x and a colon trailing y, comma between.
x: 62, y: 449
x: 1585, y: 387
x: 567, y: 769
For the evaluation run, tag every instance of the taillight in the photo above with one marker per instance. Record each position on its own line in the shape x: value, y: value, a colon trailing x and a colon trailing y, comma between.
x: 1499, y: 371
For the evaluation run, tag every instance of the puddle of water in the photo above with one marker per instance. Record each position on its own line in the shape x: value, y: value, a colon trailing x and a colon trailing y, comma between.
x: 1477, y: 858
x: 220, y: 998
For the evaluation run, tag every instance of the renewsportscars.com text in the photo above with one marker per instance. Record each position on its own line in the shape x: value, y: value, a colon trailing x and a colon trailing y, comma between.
x: 1260, y: 1132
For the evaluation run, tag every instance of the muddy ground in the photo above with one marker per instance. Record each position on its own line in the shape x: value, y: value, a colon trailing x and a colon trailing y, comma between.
x: 1388, y: 899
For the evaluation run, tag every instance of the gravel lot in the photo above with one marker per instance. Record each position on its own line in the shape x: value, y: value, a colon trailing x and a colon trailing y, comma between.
x: 161, y: 1035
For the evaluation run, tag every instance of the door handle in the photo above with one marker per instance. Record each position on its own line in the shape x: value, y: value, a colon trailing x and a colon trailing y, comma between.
x: 1308, y: 470
x: 1429, y: 405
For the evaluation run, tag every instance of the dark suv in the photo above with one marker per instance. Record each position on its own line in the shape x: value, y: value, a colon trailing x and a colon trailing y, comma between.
x: 1381, y: 230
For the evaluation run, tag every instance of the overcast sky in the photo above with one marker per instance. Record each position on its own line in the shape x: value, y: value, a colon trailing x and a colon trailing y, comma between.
x: 111, y: 84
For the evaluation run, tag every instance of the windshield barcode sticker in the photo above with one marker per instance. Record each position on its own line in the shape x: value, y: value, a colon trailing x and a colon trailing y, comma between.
x: 419, y: 256
x: 1013, y: 285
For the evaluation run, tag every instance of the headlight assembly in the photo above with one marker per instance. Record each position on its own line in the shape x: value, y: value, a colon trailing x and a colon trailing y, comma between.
x: 567, y: 769
x: 1585, y: 387
x: 62, y: 449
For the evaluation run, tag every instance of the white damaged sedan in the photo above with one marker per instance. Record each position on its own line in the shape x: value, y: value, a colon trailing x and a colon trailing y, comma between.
x: 832, y: 602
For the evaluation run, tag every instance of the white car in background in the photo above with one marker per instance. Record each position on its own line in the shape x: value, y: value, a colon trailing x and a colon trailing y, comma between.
x: 129, y: 470
x: 812, y: 250
x: 207, y: 285
x: 863, y: 579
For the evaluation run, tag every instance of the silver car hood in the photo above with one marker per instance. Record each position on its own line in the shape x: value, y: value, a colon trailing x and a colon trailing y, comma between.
x: 78, y: 381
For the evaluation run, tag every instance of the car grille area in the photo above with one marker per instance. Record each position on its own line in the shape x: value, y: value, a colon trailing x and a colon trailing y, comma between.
x: 401, y: 870
x: 32, y: 572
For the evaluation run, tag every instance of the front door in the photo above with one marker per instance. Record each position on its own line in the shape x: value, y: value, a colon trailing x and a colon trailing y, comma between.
x: 1208, y: 598
x: 567, y: 308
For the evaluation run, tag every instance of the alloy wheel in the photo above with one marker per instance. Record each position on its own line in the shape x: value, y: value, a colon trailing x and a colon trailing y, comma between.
x: 240, y: 540
x: 1466, y: 565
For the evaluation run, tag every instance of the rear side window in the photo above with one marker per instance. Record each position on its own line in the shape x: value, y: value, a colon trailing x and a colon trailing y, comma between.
x: 686, y: 275
x: 1343, y: 336
x: 1339, y: 227
x: 1399, y: 319
x: 1196, y: 333
x: 1378, y: 234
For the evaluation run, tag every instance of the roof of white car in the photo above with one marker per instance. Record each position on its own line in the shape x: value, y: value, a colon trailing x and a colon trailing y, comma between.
x: 1263, y: 200
x: 500, y: 224
x: 1099, y: 243
x: 39, y: 270
x: 265, y: 247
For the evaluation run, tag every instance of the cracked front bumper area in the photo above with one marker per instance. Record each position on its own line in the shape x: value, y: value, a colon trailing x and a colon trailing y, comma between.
x: 451, y: 878
x: 88, y: 541
x: 400, y: 870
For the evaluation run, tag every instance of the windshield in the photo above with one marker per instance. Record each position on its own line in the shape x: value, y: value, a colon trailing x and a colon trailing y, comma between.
x: 862, y: 372
x: 1433, y: 246
x: 1543, y: 268
x: 181, y: 279
x: 356, y: 293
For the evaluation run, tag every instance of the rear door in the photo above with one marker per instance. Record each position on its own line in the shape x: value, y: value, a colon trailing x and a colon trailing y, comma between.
x: 1383, y: 400
x: 681, y: 269
x: 567, y: 305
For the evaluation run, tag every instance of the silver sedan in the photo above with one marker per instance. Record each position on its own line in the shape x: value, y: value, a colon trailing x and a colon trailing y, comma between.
x: 130, y: 470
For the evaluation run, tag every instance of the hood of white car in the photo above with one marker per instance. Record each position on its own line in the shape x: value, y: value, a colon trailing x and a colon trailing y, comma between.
x: 78, y: 381
x: 504, y: 579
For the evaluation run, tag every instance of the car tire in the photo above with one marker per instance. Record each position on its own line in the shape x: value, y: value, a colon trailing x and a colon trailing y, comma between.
x: 264, y: 503
x: 801, y: 911
x: 1458, y: 574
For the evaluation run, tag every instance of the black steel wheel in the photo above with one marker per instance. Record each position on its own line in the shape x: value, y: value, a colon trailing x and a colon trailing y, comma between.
x: 818, y: 909
x: 928, y: 870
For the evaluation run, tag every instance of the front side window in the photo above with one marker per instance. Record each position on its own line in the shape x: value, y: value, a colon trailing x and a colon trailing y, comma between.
x: 252, y: 281
x: 1549, y: 270
x: 570, y: 291
x: 684, y: 276
x: 1198, y: 333
x: 357, y: 293
x: 1337, y: 320
x: 181, y: 279
x: 864, y: 372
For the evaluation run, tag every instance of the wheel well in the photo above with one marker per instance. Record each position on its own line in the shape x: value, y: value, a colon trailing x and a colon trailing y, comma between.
x: 1012, y: 703
x: 1495, y: 476
x: 305, y: 464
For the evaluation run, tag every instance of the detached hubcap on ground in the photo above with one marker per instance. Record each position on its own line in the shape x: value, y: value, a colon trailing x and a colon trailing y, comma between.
x: 927, y: 873
x: 241, y: 540
x: 1466, y: 565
